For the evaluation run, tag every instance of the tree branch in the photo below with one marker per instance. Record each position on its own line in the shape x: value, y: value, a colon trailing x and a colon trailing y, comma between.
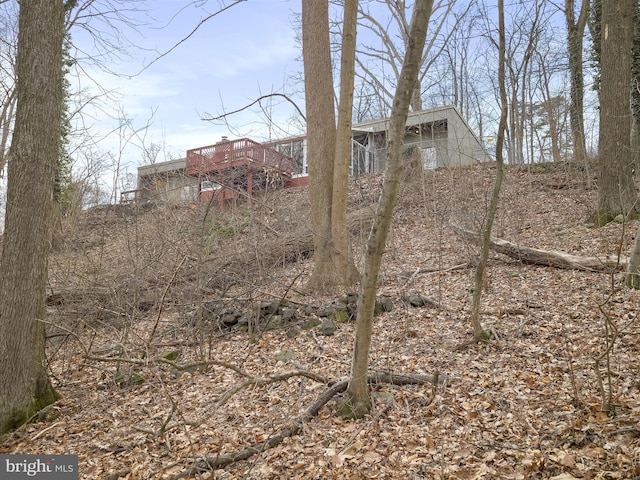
x: 258, y: 100
x: 189, y: 35
x: 210, y: 463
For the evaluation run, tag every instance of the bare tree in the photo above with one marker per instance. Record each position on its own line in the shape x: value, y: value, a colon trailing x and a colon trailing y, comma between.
x: 333, y: 264
x: 617, y: 191
x: 525, y: 25
x: 479, y: 333
x: 379, y: 65
x: 342, y: 157
x: 24, y: 384
x: 575, y: 34
x: 358, y: 402
x: 459, y: 52
x: 548, y: 112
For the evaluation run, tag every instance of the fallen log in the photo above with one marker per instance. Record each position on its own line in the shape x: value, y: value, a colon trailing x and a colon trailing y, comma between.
x: 277, y: 251
x: 549, y: 258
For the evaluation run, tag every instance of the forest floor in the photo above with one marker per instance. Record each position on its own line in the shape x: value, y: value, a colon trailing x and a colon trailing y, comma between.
x: 124, y: 332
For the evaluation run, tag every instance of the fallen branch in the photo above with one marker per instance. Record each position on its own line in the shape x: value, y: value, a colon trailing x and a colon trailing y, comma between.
x: 210, y: 463
x: 549, y: 258
x: 177, y: 366
x: 262, y: 381
x: 250, y: 379
x: 410, y: 276
x: 285, y: 249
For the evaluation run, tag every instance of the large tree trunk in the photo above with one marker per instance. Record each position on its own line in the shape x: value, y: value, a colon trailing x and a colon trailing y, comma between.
x: 24, y: 384
x: 576, y: 110
x: 635, y: 87
x: 344, y: 264
x: 358, y: 402
x: 321, y: 134
x: 333, y: 266
x: 617, y: 191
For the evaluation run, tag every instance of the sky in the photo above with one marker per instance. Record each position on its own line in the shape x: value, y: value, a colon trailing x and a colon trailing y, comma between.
x: 244, y: 52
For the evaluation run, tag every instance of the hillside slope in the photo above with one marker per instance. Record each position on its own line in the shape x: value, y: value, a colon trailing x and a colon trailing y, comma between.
x: 154, y: 377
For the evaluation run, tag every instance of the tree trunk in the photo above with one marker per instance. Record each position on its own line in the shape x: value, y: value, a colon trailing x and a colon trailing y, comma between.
x: 24, y: 384
x: 635, y: 87
x: 633, y: 274
x: 344, y: 264
x: 358, y: 402
x: 321, y: 135
x: 632, y: 278
x: 617, y: 191
x: 576, y: 109
x: 549, y: 258
x: 478, y: 332
x: 333, y: 266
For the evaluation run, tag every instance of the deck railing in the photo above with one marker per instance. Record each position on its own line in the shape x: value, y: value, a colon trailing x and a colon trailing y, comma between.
x: 230, y: 153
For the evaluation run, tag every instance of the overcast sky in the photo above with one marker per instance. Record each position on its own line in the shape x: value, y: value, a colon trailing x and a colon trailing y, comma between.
x: 244, y: 52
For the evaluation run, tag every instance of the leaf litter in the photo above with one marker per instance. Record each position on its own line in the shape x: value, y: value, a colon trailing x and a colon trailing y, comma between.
x: 526, y: 404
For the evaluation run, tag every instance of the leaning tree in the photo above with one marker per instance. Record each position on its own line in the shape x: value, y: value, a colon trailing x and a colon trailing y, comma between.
x: 358, y: 402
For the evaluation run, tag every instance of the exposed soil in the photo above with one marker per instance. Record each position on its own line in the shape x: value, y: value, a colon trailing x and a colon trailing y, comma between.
x: 126, y: 327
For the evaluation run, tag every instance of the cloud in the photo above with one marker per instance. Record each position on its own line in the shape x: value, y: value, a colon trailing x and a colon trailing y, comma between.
x: 236, y: 57
x: 251, y: 56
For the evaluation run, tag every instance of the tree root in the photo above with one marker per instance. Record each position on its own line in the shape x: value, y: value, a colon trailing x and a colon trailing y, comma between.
x: 210, y: 463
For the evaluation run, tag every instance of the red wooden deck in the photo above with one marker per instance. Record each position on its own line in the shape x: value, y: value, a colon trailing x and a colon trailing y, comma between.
x: 240, y: 167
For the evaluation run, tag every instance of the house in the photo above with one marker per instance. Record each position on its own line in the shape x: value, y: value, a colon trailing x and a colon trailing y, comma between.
x: 233, y: 168
x: 226, y: 170
x: 441, y: 136
x: 239, y: 168
x: 165, y: 182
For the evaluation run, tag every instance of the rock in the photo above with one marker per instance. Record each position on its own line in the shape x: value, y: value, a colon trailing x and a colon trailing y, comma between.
x: 293, y: 332
x: 214, y: 306
x: 328, y: 327
x: 146, y: 304
x: 228, y: 319
x: 331, y: 308
x: 349, y: 299
x: 289, y: 314
x: 284, y: 356
x: 269, y: 308
x: 124, y: 380
x: 340, y: 316
x: 384, y: 397
x: 111, y: 349
x: 207, y: 312
x: 383, y: 304
x: 413, y: 299
x: 178, y: 372
x: 311, y: 323
x: 171, y: 356
x: 274, y: 322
